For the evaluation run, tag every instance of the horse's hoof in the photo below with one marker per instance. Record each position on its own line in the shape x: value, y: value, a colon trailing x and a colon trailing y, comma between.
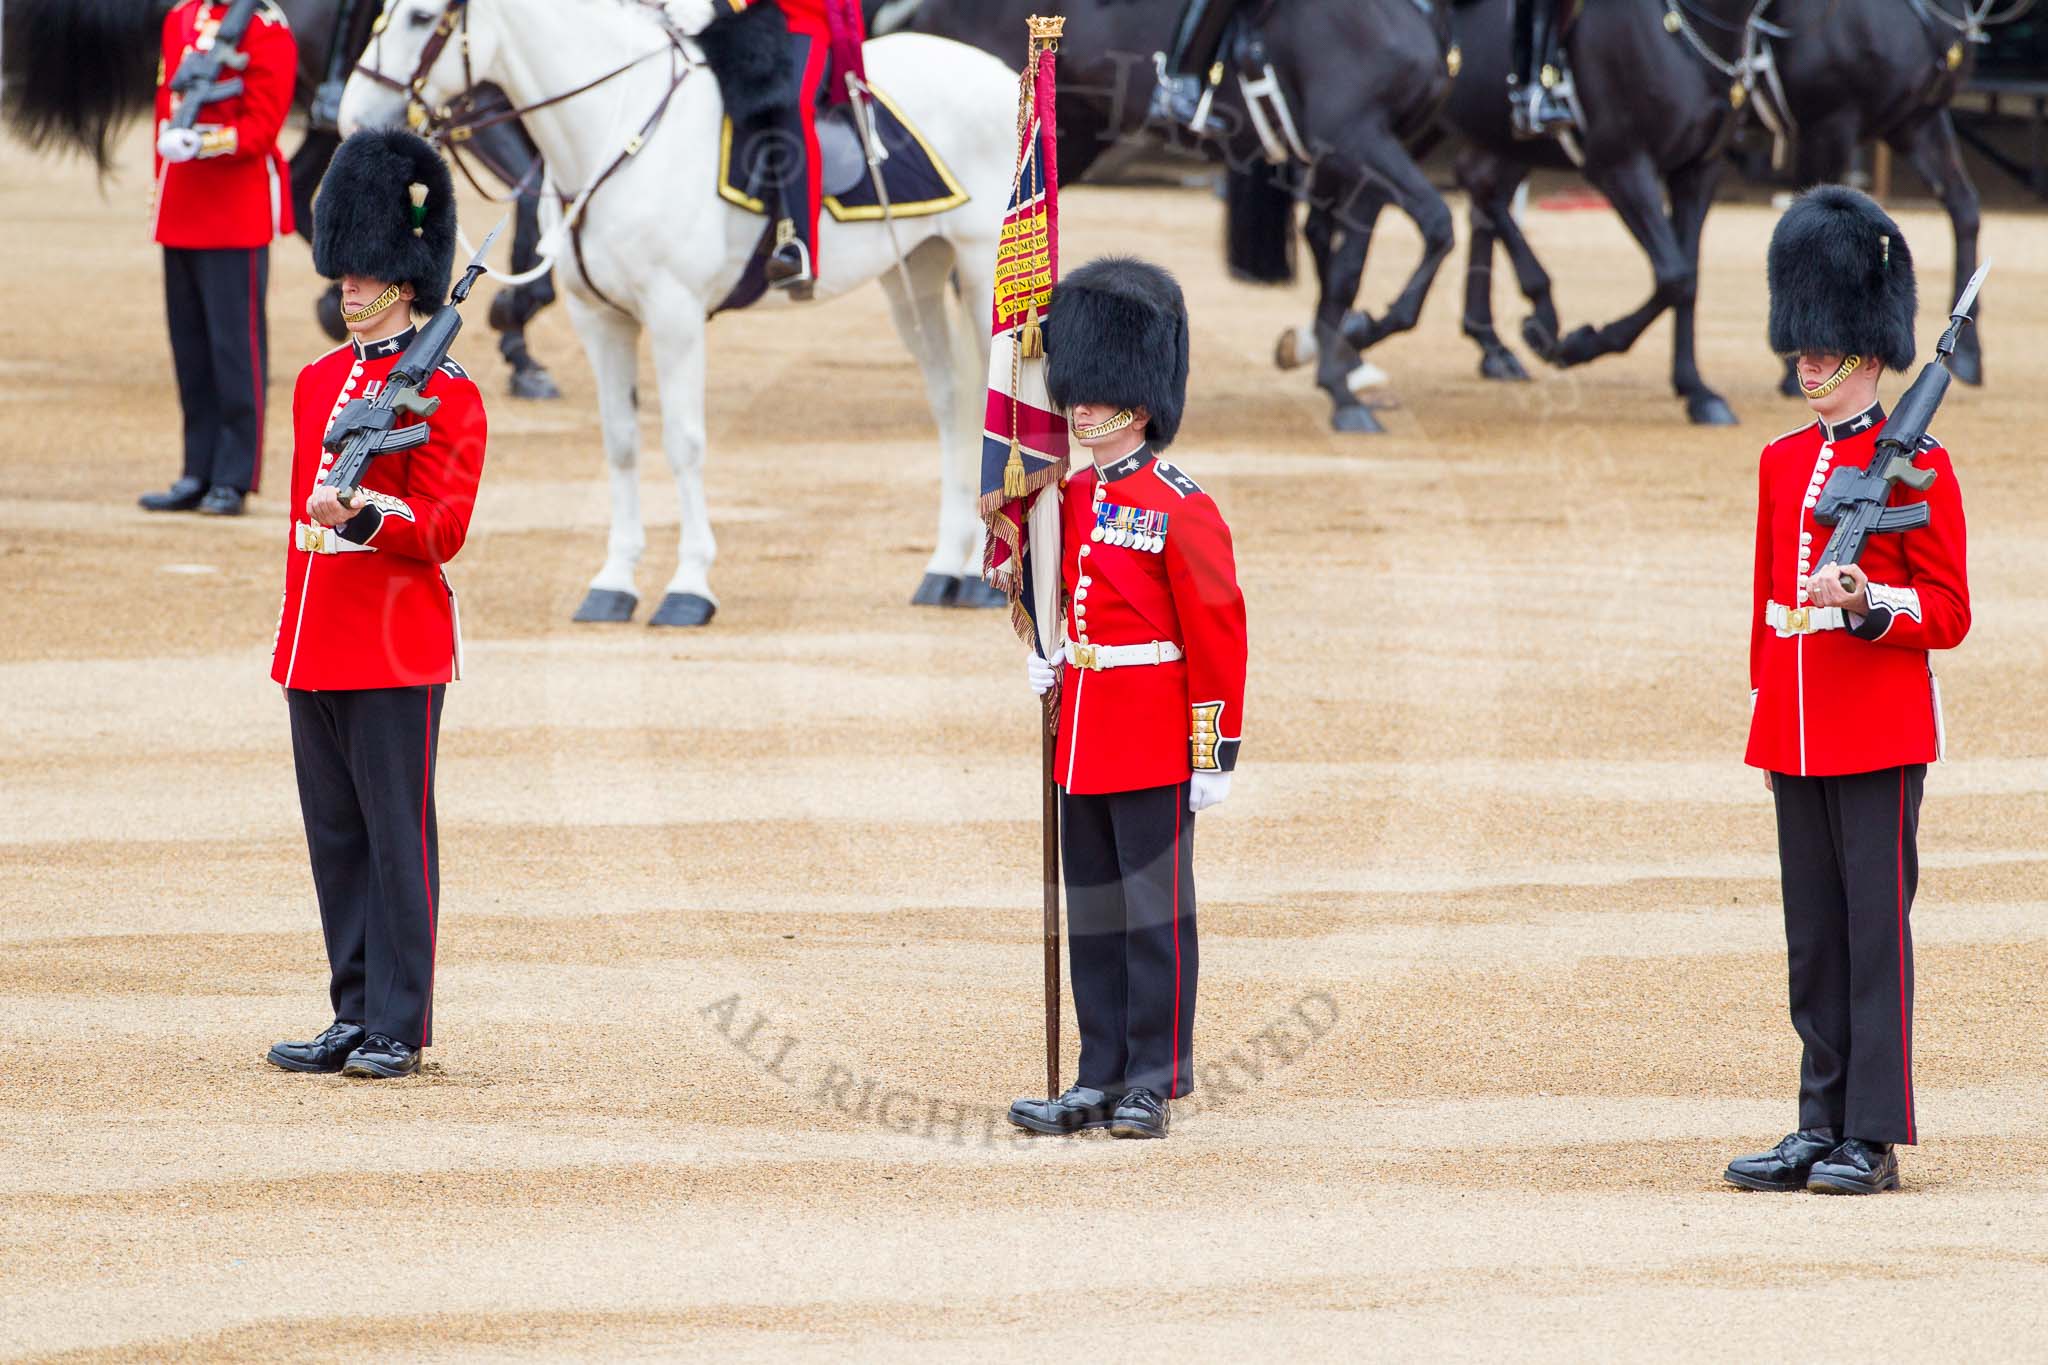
x: 1538, y: 337
x: 1500, y: 363
x: 1355, y: 418
x: 1967, y: 366
x: 607, y: 605
x: 1296, y: 347
x: 975, y: 593
x: 683, y: 609
x: 935, y: 590
x: 1365, y: 375
x: 1581, y: 346
x: 534, y: 381
x: 1710, y: 410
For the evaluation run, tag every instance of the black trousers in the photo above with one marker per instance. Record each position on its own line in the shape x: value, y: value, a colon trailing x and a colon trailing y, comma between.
x: 220, y: 348
x: 366, y: 786
x: 1846, y: 849
x: 1131, y: 937
x: 1199, y: 37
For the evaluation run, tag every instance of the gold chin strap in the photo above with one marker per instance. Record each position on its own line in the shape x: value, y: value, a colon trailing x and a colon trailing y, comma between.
x: 1850, y: 364
x: 1107, y: 427
x: 373, y: 307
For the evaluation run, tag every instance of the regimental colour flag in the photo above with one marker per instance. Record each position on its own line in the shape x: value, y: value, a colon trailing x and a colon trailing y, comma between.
x: 1024, y: 440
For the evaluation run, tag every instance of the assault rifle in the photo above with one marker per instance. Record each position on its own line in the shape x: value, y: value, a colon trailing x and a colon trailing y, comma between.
x: 198, y: 82
x: 368, y: 427
x: 1855, y: 501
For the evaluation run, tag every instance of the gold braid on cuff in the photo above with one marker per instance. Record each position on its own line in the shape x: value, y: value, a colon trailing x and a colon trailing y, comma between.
x: 1202, y: 735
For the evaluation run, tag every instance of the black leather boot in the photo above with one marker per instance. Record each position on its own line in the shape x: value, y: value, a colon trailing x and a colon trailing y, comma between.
x: 382, y: 1057
x: 1141, y: 1115
x: 1856, y: 1167
x: 182, y: 496
x: 323, y: 1054
x: 1784, y: 1167
x: 1079, y: 1108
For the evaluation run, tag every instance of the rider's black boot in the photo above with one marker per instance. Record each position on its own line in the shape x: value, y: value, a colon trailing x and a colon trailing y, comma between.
x: 1189, y: 72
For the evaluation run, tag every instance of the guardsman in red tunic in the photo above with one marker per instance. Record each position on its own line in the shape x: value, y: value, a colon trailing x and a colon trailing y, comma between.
x: 820, y: 44
x: 1151, y: 701
x: 368, y: 638
x: 222, y: 193
x: 1845, y: 712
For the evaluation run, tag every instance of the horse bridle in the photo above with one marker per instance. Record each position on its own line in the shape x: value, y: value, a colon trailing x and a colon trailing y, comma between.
x: 464, y: 115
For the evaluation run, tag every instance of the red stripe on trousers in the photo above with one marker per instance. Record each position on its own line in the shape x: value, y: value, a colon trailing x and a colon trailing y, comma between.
x: 427, y: 874
x: 1173, y: 1086
x: 255, y: 373
x: 1905, y: 1027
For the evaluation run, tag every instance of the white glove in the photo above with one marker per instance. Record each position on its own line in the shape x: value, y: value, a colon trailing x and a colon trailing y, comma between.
x: 1043, y: 673
x: 178, y: 144
x: 1207, y: 789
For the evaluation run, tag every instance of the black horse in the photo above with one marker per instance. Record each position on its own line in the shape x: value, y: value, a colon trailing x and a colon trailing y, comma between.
x: 1660, y: 109
x: 1855, y: 71
x: 78, y: 71
x: 1362, y: 80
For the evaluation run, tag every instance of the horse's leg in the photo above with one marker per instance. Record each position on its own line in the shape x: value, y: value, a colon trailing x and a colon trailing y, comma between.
x: 1396, y: 176
x: 612, y: 342
x: 1692, y: 194
x: 1340, y: 269
x: 1935, y: 154
x: 1638, y: 196
x: 1298, y: 346
x: 677, y: 326
x: 925, y: 322
x: 974, y: 276
x: 1825, y: 149
x: 1478, y: 174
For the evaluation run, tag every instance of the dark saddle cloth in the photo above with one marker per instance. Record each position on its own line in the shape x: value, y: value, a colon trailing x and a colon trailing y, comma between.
x: 918, y: 181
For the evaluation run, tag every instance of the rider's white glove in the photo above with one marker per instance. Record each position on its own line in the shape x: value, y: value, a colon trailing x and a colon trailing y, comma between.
x: 178, y: 144
x: 1043, y: 673
x: 1207, y: 789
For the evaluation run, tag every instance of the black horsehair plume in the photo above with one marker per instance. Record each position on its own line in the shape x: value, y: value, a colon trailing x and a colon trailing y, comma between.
x: 75, y: 73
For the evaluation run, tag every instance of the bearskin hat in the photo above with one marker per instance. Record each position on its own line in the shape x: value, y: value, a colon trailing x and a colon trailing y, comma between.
x: 386, y: 210
x: 749, y: 54
x: 1842, y: 279
x: 1117, y: 333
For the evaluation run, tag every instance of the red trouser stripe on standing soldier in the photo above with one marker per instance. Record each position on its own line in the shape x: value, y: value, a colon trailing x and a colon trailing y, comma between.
x: 256, y: 372
x: 427, y: 873
x: 1905, y: 1024
x: 1173, y: 1085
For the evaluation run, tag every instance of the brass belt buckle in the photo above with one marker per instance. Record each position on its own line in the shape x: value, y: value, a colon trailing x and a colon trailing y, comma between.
x: 309, y: 538
x: 1084, y: 656
x: 1799, y: 620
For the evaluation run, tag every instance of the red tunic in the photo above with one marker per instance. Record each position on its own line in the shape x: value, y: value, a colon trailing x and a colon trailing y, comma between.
x: 237, y: 192
x: 1861, y: 699
x: 1149, y: 725
x: 379, y: 613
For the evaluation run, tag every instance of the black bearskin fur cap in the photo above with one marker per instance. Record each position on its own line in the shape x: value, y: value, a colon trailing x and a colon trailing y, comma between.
x: 749, y: 54
x: 1117, y: 333
x: 1842, y: 279
x: 363, y: 215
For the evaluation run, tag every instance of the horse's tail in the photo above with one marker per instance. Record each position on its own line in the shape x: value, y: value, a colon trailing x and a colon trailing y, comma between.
x: 1259, y: 242
x: 77, y: 71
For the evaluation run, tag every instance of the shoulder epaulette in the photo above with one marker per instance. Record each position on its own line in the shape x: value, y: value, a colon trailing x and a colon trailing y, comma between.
x: 448, y: 366
x: 269, y: 13
x: 1175, y: 478
x: 1928, y: 442
x: 1787, y: 435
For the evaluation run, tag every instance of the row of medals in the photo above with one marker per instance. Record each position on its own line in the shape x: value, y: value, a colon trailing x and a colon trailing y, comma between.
x: 1135, y: 528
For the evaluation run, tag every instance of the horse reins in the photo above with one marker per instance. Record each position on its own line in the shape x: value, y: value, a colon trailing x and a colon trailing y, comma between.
x: 453, y: 123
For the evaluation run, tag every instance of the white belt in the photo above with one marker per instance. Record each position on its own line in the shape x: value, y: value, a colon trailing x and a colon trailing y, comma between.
x: 1122, y: 656
x: 1802, y: 620
x: 323, y: 540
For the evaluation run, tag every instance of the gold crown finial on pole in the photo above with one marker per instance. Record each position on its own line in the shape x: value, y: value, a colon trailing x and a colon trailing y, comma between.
x: 1046, y: 28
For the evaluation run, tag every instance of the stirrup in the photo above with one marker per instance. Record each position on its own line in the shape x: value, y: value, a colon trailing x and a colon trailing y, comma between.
x: 1181, y: 100
x: 789, y: 267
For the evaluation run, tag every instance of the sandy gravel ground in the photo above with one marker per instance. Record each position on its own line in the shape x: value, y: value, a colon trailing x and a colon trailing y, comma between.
x: 739, y: 958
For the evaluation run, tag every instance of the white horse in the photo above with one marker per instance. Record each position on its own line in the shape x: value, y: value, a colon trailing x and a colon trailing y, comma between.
x: 659, y: 242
